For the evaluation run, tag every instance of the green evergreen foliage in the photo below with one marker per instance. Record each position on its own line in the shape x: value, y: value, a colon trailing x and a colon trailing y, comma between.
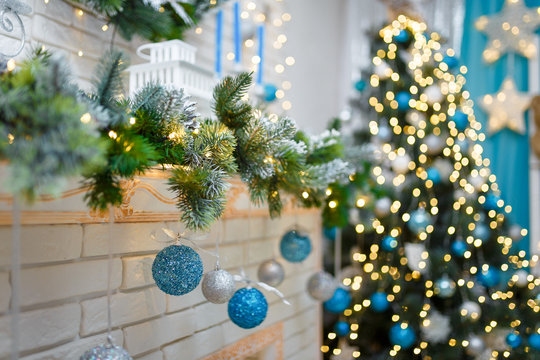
x: 46, y: 133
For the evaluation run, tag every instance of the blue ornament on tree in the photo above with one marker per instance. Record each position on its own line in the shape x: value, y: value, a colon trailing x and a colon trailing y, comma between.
x: 451, y: 61
x: 534, y: 341
x: 445, y: 287
x: 459, y: 248
x: 269, y: 94
x: 513, y: 340
x: 461, y: 120
x: 295, y: 246
x: 489, y: 278
x: 434, y: 175
x: 389, y: 243
x: 402, y: 37
x: 330, y: 232
x: 339, y: 301
x: 481, y: 231
x: 360, y: 85
x: 342, y: 328
x: 419, y: 221
x: 403, y: 98
x: 379, y: 301
x: 177, y: 270
x: 247, y: 308
x: 402, y: 335
x: 492, y: 202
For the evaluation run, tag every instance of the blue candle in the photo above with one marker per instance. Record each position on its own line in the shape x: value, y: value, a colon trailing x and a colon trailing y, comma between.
x: 219, y: 40
x: 237, y: 34
x: 260, y: 35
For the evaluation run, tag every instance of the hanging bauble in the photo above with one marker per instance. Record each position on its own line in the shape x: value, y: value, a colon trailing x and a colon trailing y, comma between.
x: 384, y: 133
x: 433, y: 94
x: 476, y: 345
x: 400, y: 164
x: 520, y: 277
x: 464, y: 145
x: 345, y: 114
x: 444, y: 287
x: 401, y: 334
x: 490, y: 277
x: 177, y: 270
x: 247, y: 308
x: 269, y: 91
x: 342, y: 328
x: 354, y: 216
x: 339, y: 301
x: 459, y: 247
x: 106, y: 352
x: 477, y: 182
x: 295, y: 246
x: 389, y: 243
x: 481, y: 231
x: 330, y: 232
x: 437, y: 328
x: 415, y: 260
x: 382, y: 207
x: 514, y: 340
x: 419, y: 221
x: 461, y: 120
x: 403, y: 98
x: 515, y: 232
x: 218, y: 286
x: 271, y: 272
x: 383, y: 71
x: 433, y: 175
x: 492, y: 202
x: 451, y: 61
x: 444, y: 167
x: 379, y: 301
x: 534, y: 341
x: 435, y: 144
x: 402, y: 37
x: 321, y: 286
x: 360, y: 85
x: 415, y: 117
x: 470, y: 310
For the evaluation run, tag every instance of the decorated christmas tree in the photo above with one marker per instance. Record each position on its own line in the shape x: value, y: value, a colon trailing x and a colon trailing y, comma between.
x: 435, y: 274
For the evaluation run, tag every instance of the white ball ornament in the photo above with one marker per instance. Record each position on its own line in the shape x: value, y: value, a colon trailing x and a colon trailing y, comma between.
x: 321, y: 286
x: 383, y: 71
x: 435, y: 144
x: 515, y: 232
x: 444, y: 167
x: 476, y: 345
x: 415, y: 117
x: 520, y: 278
x: 477, y: 182
x: 400, y: 164
x: 470, y: 310
x: 218, y: 286
x: 434, y: 94
x: 382, y: 207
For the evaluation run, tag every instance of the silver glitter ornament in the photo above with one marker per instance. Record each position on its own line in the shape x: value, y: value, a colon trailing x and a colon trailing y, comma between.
x: 271, y: 272
x: 321, y: 286
x: 107, y: 351
x: 218, y: 286
x: 445, y: 287
x: 476, y: 345
x: 470, y: 310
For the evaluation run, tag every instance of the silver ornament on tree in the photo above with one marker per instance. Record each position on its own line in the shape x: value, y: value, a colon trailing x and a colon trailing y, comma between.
x: 321, y: 286
x: 520, y: 278
x: 218, y: 286
x: 445, y: 287
x: 470, y: 310
x: 415, y: 258
x: 382, y: 207
x: 435, y: 144
x: 414, y: 117
x: 433, y: 94
x: 436, y: 328
x: 444, y: 167
x: 400, y: 164
x: 271, y: 272
x: 476, y: 345
x: 107, y: 351
x: 515, y: 232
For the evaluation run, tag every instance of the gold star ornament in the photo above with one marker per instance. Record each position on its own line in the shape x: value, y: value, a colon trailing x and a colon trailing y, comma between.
x: 510, y: 30
x: 506, y: 107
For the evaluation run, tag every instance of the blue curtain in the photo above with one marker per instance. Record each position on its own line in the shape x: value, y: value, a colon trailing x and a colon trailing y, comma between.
x: 507, y: 150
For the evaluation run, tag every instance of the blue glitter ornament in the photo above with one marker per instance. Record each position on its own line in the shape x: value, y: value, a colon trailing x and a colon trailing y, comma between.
x: 402, y: 37
x: 403, y: 99
x: 481, y: 231
x: 247, y: 308
x: 459, y: 247
x: 360, y: 85
x: 342, y: 328
x: 489, y: 278
x: 330, y: 232
x: 107, y: 351
x: 269, y: 92
x: 294, y: 246
x: 461, y: 120
x: 389, y: 243
x: 402, y: 335
x: 177, y: 270
x: 534, y: 341
x: 451, y: 61
x: 339, y: 301
x: 434, y: 175
x: 419, y: 221
x: 491, y: 202
x: 514, y: 340
x: 379, y: 302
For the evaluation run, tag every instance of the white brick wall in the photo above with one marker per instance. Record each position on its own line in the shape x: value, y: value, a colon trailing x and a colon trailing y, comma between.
x: 64, y: 275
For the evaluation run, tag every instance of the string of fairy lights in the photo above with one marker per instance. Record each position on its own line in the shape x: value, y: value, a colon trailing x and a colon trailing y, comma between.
x: 427, y: 50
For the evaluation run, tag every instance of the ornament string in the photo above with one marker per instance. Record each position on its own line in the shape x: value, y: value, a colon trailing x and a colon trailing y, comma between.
x: 337, y: 253
x: 109, y: 274
x: 218, y: 239
x: 178, y: 237
x: 242, y: 277
x: 15, y: 278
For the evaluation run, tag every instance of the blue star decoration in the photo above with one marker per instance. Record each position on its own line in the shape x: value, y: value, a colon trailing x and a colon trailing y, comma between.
x: 510, y: 30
